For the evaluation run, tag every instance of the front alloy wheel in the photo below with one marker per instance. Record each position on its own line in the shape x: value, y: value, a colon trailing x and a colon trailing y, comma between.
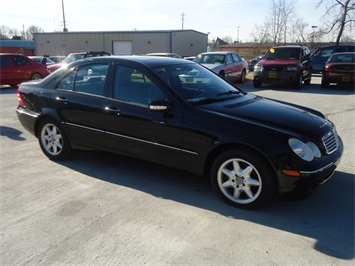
x: 243, y: 179
x: 53, y: 141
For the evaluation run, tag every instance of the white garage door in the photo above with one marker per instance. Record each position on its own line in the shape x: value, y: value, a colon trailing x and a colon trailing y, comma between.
x: 122, y: 47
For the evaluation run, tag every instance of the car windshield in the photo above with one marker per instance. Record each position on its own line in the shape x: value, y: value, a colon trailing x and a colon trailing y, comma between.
x: 196, y: 84
x: 210, y: 59
x: 72, y: 57
x: 283, y: 53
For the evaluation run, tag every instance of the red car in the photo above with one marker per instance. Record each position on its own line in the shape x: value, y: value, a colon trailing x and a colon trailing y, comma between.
x: 17, y: 68
x: 340, y: 68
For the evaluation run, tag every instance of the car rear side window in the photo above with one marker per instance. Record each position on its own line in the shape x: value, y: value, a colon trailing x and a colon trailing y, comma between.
x: 4, y: 61
x: 19, y: 60
x: 87, y: 79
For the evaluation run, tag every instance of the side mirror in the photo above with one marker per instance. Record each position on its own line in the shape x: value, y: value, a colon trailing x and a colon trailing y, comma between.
x: 159, y: 106
x: 306, y: 57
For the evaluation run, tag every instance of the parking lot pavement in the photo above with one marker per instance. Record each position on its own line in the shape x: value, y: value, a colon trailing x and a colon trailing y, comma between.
x: 103, y: 209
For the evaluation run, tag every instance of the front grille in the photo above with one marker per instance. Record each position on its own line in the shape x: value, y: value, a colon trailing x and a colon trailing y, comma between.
x: 274, y: 68
x: 330, y: 142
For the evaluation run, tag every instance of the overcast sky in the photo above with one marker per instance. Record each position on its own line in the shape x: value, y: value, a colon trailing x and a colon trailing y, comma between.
x: 219, y: 17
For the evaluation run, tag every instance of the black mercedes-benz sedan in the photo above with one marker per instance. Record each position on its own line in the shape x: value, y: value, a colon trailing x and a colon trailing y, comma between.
x: 179, y: 114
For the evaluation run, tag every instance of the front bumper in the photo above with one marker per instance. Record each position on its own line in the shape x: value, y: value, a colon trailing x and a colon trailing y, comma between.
x: 311, y: 177
x: 277, y: 76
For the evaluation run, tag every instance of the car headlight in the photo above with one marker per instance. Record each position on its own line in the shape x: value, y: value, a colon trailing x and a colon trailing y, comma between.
x: 306, y: 151
x: 291, y: 68
x: 258, y: 68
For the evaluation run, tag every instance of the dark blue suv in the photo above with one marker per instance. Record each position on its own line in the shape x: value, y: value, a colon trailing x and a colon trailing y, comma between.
x: 321, y: 55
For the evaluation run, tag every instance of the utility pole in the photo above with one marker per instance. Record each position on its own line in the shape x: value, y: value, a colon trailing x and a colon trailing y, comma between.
x: 182, y: 19
x: 238, y: 34
x: 65, y: 27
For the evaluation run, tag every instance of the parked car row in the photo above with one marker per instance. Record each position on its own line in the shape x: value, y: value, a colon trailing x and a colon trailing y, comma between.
x: 294, y: 65
x: 289, y: 64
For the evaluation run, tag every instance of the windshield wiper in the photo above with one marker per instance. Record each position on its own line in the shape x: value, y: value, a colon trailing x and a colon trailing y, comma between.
x: 231, y: 92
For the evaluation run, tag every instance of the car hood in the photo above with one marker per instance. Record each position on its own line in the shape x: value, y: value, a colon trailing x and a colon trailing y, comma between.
x: 212, y: 66
x: 283, y: 62
x: 282, y: 116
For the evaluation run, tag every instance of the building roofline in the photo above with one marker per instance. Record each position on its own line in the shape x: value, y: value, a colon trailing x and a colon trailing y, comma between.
x: 118, y: 32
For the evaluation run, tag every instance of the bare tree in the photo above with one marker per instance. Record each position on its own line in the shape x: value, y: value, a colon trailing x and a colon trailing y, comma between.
x: 281, y: 11
x: 298, y: 30
x: 261, y: 34
x: 4, y: 32
x: 31, y: 30
x: 339, y: 15
x: 227, y: 39
x: 279, y: 25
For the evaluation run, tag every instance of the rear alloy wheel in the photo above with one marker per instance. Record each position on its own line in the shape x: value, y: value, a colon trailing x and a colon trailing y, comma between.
x: 243, y: 179
x: 53, y: 140
x: 36, y: 76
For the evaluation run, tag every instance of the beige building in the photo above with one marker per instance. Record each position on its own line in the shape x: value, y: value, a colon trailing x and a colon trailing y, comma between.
x: 182, y: 42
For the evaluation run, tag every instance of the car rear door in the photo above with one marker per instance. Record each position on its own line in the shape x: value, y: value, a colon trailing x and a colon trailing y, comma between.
x: 230, y: 68
x: 79, y: 100
x: 135, y: 130
x: 238, y: 65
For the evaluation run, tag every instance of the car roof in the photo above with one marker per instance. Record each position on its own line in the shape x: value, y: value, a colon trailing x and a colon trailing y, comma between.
x: 288, y: 46
x: 142, y: 59
x: 12, y: 54
x: 219, y: 52
x: 160, y: 53
x: 351, y: 53
x: 333, y: 46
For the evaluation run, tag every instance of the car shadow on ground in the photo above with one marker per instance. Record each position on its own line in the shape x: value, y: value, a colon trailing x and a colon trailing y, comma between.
x: 326, y: 216
x: 11, y: 133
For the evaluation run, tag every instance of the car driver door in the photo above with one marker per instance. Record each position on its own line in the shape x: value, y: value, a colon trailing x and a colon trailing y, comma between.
x: 133, y: 128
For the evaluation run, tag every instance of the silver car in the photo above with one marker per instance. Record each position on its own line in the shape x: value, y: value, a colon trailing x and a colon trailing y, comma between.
x: 228, y: 65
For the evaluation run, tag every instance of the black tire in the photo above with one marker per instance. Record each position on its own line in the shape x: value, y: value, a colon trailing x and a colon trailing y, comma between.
x: 257, y: 83
x: 36, y: 76
x: 53, y: 140
x: 242, y: 76
x: 221, y: 74
x: 243, y: 179
x: 324, y: 84
x: 298, y: 82
x: 308, y: 81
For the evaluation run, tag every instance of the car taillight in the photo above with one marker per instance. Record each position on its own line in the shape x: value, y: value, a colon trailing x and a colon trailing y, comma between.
x: 19, y: 97
x: 327, y: 68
